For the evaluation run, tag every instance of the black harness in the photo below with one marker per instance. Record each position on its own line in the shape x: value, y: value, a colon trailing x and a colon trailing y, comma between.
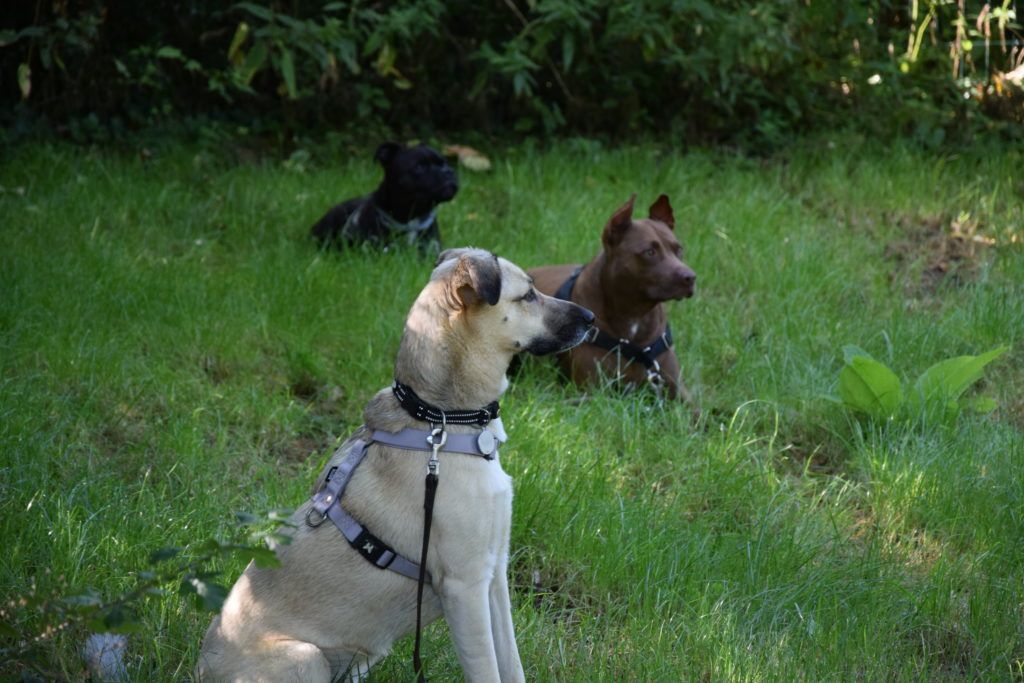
x: 647, y: 355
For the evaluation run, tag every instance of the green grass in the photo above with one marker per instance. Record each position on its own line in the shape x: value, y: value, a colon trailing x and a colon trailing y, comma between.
x: 172, y: 349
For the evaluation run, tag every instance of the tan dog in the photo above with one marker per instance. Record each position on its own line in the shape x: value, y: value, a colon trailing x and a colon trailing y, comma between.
x: 328, y: 612
x: 639, y: 268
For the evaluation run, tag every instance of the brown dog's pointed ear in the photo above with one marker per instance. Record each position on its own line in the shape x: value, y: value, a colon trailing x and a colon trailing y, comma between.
x: 619, y: 223
x: 661, y: 210
x: 477, y: 278
x: 386, y: 152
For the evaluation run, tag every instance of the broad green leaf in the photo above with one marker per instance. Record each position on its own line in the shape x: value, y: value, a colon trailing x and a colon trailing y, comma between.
x: 948, y: 379
x: 234, y: 51
x: 253, y: 61
x: 870, y: 387
x: 288, y: 72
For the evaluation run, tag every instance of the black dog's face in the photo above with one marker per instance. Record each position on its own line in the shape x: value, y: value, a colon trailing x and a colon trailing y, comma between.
x: 420, y: 172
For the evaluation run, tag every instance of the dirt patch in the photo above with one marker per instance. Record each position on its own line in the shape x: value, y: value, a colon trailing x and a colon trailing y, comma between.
x: 937, y: 250
x: 298, y: 449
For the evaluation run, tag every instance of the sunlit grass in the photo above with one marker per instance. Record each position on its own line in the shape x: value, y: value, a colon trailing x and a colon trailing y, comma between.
x: 172, y: 349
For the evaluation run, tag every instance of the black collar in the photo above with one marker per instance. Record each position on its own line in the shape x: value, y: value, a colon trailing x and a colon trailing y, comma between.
x: 420, y: 410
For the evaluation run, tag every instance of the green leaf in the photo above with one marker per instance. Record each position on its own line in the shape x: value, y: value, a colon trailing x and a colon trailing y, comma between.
x: 253, y: 62
x: 264, y: 557
x: 210, y: 595
x: 246, y: 518
x: 169, y: 52
x: 288, y: 72
x: 25, y: 80
x: 241, y: 33
x: 980, y: 404
x: 568, y: 50
x: 256, y: 10
x: 850, y: 352
x: 867, y: 386
x: 90, y: 598
x: 121, y: 620
x: 947, y: 380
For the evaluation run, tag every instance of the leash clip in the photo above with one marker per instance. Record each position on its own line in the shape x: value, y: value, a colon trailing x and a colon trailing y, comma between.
x: 437, y: 439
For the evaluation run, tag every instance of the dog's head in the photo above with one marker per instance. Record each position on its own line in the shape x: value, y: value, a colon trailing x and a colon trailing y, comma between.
x: 645, y: 254
x: 419, y: 173
x: 501, y: 310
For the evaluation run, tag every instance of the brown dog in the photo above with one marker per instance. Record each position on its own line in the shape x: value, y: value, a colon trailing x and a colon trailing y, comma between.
x: 625, y: 286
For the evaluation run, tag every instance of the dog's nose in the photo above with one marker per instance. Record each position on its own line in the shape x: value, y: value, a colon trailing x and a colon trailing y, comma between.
x: 689, y: 279
x: 587, y: 315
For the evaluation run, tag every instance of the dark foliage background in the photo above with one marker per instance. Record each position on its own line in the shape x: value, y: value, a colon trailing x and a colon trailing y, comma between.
x: 750, y: 73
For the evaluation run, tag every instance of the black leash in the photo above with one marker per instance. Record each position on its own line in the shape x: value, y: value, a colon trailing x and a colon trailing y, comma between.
x: 421, y: 410
x: 437, y: 440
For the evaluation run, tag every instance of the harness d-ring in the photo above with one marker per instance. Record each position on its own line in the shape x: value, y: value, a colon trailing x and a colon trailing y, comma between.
x: 323, y: 517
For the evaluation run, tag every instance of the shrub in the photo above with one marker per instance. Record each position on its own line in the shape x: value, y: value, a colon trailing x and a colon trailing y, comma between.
x: 726, y: 71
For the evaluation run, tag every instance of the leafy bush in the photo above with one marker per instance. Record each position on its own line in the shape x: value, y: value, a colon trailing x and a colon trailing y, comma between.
x: 724, y: 71
x: 869, y: 387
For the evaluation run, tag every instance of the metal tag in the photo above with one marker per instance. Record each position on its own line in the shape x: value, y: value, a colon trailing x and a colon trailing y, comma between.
x: 486, y: 442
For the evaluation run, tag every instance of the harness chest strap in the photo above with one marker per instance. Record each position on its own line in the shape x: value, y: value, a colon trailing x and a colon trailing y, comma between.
x: 644, y: 354
x: 325, y: 501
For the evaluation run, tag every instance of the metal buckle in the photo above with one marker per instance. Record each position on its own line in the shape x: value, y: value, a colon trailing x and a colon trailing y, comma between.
x: 323, y: 518
x: 654, y: 374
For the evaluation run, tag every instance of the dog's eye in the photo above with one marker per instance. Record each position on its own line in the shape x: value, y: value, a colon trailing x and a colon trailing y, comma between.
x: 529, y: 296
x: 650, y: 252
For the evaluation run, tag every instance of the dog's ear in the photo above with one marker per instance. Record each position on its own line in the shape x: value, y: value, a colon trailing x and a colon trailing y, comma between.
x: 476, y: 278
x: 449, y: 254
x: 661, y: 210
x: 386, y: 152
x: 619, y: 223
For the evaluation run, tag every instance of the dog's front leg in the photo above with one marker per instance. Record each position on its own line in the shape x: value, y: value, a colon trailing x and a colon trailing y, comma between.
x: 509, y: 664
x: 467, y: 611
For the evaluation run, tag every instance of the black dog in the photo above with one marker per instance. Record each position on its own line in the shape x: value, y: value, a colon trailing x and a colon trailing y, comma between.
x: 401, y: 209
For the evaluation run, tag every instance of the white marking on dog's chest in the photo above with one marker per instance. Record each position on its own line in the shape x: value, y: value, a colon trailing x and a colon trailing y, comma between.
x: 632, y: 330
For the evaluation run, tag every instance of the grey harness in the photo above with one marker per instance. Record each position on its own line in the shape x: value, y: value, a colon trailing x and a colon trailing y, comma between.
x: 326, y: 503
x: 411, y: 229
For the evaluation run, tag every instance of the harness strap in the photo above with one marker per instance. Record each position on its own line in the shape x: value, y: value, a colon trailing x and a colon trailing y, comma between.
x: 484, y: 444
x: 643, y: 354
x: 325, y: 503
